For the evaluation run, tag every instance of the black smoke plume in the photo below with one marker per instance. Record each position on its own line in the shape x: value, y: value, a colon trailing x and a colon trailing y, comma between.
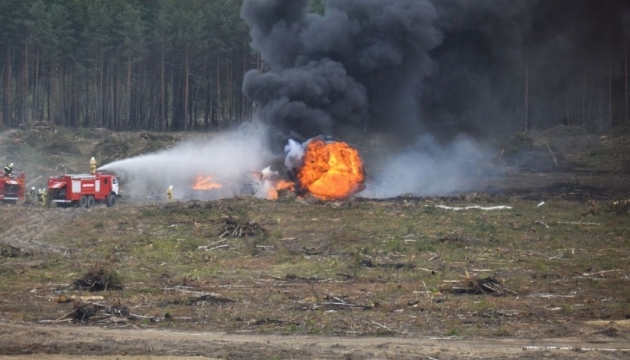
x: 436, y: 65
x: 359, y: 62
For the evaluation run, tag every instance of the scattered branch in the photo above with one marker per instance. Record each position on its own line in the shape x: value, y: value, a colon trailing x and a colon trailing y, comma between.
x: 471, y: 284
x: 381, y: 326
x: 548, y: 296
x: 83, y: 312
x: 201, y: 296
x: 573, y: 348
x: 551, y: 153
x: 455, y: 208
x: 578, y: 223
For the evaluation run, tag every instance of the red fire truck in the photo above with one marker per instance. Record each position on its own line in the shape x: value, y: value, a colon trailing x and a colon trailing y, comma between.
x: 12, y: 187
x: 83, y: 190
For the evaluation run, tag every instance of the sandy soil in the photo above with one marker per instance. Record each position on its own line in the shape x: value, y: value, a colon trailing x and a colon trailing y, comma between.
x: 81, y: 342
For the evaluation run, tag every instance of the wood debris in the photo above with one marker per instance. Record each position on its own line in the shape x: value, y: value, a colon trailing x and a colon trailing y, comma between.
x: 334, y: 303
x: 63, y: 298
x: 548, y: 296
x: 84, y: 312
x: 98, y: 278
x: 235, y: 229
x: 471, y: 207
x: 200, y: 296
x: 574, y: 348
x: 472, y: 284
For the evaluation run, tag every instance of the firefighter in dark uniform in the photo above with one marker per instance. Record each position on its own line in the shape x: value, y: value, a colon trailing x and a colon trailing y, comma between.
x: 31, y: 196
x: 8, y: 169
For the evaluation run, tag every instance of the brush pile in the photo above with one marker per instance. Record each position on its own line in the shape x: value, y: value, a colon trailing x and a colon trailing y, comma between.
x: 472, y: 284
x: 98, y: 278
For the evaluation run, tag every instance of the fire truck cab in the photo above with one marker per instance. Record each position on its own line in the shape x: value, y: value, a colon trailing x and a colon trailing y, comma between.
x: 83, y: 190
x: 12, y: 187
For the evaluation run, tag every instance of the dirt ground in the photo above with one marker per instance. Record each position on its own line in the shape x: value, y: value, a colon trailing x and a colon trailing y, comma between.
x: 77, y: 342
x: 360, y: 279
x: 574, y: 335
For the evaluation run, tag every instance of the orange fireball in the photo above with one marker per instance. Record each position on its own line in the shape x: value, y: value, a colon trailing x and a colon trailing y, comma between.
x: 331, y: 171
x: 205, y: 183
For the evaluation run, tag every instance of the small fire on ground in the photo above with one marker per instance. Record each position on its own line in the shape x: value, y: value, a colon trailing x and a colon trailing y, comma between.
x: 271, y: 185
x: 327, y: 171
x: 205, y: 183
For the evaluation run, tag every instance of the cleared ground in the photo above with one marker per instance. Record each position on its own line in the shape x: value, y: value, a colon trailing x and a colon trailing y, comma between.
x: 402, y: 278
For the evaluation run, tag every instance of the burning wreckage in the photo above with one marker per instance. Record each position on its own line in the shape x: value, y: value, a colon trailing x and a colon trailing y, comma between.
x: 327, y: 170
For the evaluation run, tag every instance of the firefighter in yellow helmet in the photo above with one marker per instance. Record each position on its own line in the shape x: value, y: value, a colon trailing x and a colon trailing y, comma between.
x: 169, y: 193
x: 8, y: 169
x: 92, y: 165
x: 43, y: 198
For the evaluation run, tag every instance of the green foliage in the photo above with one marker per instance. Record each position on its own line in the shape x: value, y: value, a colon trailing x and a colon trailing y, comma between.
x: 317, y: 6
x: 125, y: 64
x: 452, y: 332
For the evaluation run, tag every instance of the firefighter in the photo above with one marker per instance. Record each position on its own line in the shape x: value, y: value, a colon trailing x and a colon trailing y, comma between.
x: 44, y: 195
x: 30, y: 196
x: 92, y: 165
x: 169, y: 193
x: 8, y: 169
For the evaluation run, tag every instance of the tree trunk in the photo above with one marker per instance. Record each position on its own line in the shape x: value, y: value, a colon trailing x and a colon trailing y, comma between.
x: 162, y: 103
x: 246, y: 62
x: 186, y: 85
x: 48, y: 91
x: 584, y: 115
x: 6, y: 90
x: 23, y: 97
x: 87, y: 105
x: 127, y: 115
x: 36, y: 87
x: 610, y: 106
x: 63, y: 118
x: 230, y: 84
x: 114, y: 104
x: 218, y: 101
x: 526, y: 120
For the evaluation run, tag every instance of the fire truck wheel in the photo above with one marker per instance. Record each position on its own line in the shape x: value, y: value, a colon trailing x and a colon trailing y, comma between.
x: 111, y: 200
x: 90, y: 201
x: 83, y: 201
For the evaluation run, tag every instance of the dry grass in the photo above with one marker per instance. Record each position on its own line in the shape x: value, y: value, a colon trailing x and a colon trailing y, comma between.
x: 355, y: 267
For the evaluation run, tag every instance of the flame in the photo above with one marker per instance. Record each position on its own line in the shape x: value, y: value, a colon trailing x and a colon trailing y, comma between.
x: 205, y: 183
x: 284, y: 185
x: 272, y: 188
x: 331, y: 171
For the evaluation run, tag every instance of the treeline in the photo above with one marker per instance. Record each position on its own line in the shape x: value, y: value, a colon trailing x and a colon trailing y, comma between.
x: 124, y: 64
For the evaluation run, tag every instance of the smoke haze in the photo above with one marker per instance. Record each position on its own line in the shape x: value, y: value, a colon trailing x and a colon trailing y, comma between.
x: 427, y: 168
x: 228, y: 157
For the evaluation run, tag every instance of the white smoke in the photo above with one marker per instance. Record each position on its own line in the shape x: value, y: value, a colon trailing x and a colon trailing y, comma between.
x: 424, y: 168
x: 427, y: 168
x: 294, y: 155
x: 228, y: 157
